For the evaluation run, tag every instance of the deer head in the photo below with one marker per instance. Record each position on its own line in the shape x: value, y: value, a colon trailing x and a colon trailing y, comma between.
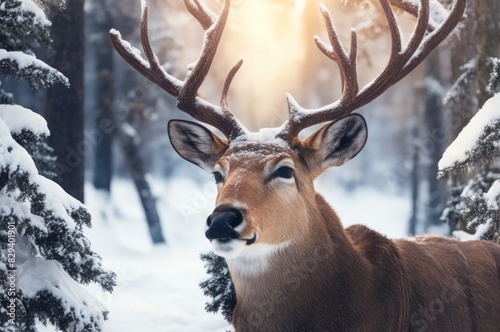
x: 265, y: 183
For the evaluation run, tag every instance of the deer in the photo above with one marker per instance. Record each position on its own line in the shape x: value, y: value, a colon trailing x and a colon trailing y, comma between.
x: 293, y: 265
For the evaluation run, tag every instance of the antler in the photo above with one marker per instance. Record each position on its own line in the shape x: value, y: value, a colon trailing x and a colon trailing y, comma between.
x: 401, y: 63
x: 186, y: 92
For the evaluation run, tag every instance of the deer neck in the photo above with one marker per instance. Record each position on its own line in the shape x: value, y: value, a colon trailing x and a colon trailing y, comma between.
x: 271, y: 280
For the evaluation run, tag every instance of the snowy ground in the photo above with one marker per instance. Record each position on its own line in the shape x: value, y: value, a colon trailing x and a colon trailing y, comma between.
x: 158, y: 287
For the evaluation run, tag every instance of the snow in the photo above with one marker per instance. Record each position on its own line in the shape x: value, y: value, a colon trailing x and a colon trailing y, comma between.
x: 14, y: 157
x: 30, y: 6
x: 57, y: 200
x: 437, y: 13
x: 23, y: 60
x: 264, y: 135
x: 37, y: 274
x: 158, y: 286
x: 480, y: 231
x: 129, y: 48
x: 8, y: 204
x: 467, y: 139
x: 492, y: 195
x: 18, y: 118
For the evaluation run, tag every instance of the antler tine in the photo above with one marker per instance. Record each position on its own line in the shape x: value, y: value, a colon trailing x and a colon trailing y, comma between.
x: 436, y: 36
x: 186, y: 92
x: 160, y: 75
x: 398, y: 59
x: 152, y: 70
x: 227, y: 84
x: 204, y: 15
x: 336, y: 52
x: 401, y: 63
x: 187, y: 101
x: 202, y: 65
x: 393, y: 28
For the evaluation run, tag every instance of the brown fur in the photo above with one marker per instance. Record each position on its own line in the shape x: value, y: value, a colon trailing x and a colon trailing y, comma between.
x: 353, y: 279
x: 358, y: 280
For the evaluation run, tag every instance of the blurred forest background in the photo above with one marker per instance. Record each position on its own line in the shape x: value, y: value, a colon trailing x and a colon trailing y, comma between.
x: 120, y: 132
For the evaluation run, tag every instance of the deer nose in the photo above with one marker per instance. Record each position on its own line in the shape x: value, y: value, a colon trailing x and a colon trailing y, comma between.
x: 222, y: 223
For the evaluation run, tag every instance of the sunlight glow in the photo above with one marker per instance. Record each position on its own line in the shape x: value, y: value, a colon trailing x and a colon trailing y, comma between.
x: 268, y: 36
x: 300, y: 5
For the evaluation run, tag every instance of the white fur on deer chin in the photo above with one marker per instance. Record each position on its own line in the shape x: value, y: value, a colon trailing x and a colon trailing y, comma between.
x: 228, y: 250
x: 254, y: 260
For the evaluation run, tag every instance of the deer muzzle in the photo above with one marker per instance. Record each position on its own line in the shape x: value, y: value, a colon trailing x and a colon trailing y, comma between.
x: 222, y: 224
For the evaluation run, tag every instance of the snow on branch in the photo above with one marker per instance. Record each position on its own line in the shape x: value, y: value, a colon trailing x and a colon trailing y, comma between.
x: 481, y: 230
x: 476, y: 143
x: 44, y: 4
x: 25, y: 24
x: 18, y: 118
x: 481, y: 211
x: 24, y: 66
x: 494, y: 83
x: 38, y: 14
x: 41, y: 281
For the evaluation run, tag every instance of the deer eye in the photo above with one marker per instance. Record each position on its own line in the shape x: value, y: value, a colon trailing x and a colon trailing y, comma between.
x: 284, y: 172
x: 218, y: 177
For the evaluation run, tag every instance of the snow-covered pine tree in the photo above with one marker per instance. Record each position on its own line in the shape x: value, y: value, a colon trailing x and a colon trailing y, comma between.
x: 476, y: 148
x: 44, y: 256
x: 476, y: 166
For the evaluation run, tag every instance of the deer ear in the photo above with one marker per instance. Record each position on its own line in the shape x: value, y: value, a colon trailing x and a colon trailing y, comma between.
x: 338, y: 142
x: 196, y: 143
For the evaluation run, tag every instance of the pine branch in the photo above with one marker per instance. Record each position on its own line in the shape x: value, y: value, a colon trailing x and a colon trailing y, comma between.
x: 49, y: 308
x: 485, y: 150
x: 21, y: 29
x: 27, y: 67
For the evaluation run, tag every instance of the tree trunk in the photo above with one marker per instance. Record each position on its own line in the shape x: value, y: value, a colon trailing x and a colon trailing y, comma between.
x: 130, y: 143
x: 487, y: 44
x: 463, y: 51
x: 138, y: 174
x: 487, y: 47
x: 65, y: 106
x: 434, y: 139
x: 415, y: 172
x: 127, y: 109
x: 104, y: 95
